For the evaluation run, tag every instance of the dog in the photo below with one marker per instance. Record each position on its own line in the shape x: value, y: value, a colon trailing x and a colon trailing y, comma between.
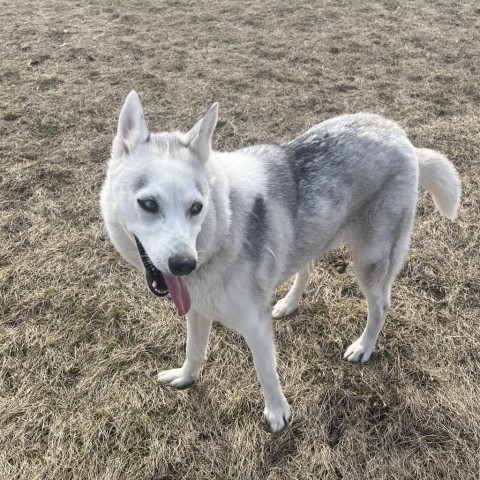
x: 219, y: 231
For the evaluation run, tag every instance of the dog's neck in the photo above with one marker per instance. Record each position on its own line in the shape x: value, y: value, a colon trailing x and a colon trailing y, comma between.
x: 217, y: 223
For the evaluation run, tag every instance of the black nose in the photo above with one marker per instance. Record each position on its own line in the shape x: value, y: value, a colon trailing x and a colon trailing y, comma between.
x: 181, y: 264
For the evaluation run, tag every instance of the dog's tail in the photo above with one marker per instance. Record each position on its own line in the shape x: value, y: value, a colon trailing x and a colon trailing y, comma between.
x: 441, y: 179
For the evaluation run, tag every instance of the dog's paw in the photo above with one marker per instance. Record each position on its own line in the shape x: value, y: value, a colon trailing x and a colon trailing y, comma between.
x: 358, y: 352
x: 284, y: 307
x: 278, y: 416
x: 177, y: 378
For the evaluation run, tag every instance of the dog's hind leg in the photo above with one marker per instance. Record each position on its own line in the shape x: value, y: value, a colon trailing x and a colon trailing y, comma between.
x: 198, y: 331
x: 378, y: 299
x: 289, y: 303
x: 376, y: 263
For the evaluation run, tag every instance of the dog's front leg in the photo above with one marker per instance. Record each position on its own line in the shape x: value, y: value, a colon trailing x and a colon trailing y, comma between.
x: 259, y: 338
x: 198, y: 331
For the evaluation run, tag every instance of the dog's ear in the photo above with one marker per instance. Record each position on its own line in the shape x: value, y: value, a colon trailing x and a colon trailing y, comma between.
x: 200, y: 136
x: 132, y: 127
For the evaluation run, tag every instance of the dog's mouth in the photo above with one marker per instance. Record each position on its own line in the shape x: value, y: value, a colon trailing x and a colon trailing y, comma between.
x: 161, y: 284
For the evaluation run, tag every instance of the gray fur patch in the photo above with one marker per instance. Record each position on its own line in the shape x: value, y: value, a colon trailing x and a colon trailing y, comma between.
x: 282, y: 187
x: 315, y: 156
x: 256, y: 230
x: 140, y: 183
x: 200, y: 188
x: 281, y: 183
x: 398, y: 231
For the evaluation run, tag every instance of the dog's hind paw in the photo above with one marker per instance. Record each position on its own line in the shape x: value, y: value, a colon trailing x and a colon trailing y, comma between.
x: 284, y: 307
x: 177, y: 378
x: 278, y: 416
x: 358, y: 352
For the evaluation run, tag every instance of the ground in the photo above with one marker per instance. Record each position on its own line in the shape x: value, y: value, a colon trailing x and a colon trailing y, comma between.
x: 81, y: 340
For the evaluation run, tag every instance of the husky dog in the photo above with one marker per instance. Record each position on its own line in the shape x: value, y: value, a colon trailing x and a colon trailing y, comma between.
x: 219, y: 231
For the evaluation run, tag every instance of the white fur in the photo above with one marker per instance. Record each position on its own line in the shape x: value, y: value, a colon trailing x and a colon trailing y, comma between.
x: 439, y: 177
x: 268, y: 211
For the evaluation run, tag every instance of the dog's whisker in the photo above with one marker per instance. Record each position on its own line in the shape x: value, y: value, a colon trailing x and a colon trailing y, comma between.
x: 269, y: 250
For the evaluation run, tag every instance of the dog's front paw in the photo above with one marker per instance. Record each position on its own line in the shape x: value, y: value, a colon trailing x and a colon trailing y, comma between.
x: 284, y: 307
x: 359, y: 352
x: 278, y: 416
x: 177, y: 378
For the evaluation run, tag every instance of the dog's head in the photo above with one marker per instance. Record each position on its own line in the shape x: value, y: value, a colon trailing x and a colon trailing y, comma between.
x: 160, y: 185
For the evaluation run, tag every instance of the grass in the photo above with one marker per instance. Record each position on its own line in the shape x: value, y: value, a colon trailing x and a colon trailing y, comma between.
x: 82, y: 341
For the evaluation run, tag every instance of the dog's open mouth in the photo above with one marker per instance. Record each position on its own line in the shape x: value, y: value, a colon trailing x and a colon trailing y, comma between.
x: 161, y: 284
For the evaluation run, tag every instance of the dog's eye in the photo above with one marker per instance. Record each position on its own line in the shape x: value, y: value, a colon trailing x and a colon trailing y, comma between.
x: 196, y: 208
x: 148, y: 205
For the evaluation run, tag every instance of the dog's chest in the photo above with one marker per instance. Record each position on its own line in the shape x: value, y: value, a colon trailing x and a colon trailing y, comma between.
x: 221, y: 299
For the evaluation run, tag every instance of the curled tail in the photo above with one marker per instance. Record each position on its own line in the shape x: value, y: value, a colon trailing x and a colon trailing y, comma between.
x: 441, y: 179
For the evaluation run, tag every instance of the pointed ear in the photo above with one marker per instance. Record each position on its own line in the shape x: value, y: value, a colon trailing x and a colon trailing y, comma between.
x: 132, y: 127
x: 200, y: 136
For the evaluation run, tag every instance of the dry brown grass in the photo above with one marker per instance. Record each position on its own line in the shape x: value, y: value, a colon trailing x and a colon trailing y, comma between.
x: 80, y: 338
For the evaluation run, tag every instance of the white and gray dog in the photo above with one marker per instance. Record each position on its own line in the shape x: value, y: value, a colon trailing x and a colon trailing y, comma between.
x: 219, y: 231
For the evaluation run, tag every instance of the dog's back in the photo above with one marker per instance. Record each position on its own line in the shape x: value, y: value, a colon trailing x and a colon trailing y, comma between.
x: 309, y: 191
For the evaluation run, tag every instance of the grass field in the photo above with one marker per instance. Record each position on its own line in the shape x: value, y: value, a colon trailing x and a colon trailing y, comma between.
x: 81, y: 340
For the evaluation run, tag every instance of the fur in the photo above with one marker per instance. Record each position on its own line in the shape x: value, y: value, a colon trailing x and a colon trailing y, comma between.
x: 268, y: 211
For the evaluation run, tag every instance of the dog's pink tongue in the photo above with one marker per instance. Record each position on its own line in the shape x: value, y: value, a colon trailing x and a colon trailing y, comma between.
x: 179, y: 293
